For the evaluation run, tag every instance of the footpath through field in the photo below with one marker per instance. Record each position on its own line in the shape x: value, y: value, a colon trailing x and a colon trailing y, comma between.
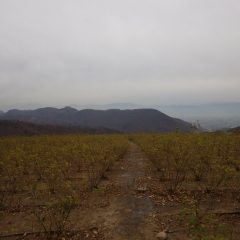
x: 121, y: 208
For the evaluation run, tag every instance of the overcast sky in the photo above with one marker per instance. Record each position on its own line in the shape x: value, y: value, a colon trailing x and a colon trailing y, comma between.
x: 76, y: 52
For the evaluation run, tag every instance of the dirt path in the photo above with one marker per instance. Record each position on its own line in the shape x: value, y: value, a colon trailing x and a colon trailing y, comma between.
x: 131, y: 204
x: 121, y: 208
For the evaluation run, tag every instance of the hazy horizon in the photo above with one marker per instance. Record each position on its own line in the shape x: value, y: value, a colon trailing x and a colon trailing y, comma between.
x: 119, y: 105
x: 66, y: 53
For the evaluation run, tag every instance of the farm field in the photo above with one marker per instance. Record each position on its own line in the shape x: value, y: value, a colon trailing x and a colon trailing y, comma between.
x: 197, y: 185
x: 43, y: 179
x: 120, y: 186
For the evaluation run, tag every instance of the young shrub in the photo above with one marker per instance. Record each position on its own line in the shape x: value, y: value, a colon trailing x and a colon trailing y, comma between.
x: 54, y: 215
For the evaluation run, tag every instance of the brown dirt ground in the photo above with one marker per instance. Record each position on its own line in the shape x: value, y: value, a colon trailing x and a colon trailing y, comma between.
x: 129, y: 203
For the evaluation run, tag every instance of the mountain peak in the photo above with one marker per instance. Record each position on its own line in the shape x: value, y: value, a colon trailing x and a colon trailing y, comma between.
x: 68, y: 109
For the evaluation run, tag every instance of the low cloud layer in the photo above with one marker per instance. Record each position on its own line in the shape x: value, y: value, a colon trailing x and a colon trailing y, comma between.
x: 70, y: 52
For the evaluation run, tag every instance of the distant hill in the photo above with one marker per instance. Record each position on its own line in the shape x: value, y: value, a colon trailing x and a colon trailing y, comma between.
x: 19, y: 128
x: 122, y: 106
x: 235, y: 130
x: 138, y: 120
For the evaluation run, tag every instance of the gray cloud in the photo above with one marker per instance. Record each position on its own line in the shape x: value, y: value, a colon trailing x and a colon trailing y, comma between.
x: 64, y: 52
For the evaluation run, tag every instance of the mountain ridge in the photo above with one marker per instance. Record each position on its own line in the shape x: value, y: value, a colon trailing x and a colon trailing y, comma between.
x: 20, y: 128
x: 130, y: 120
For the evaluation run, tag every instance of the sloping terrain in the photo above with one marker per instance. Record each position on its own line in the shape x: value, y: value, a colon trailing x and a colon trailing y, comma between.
x: 131, y: 202
x: 235, y: 130
x: 19, y: 128
x: 138, y: 120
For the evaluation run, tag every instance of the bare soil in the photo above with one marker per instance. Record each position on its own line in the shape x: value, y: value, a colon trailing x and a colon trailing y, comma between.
x: 130, y: 203
x: 121, y: 207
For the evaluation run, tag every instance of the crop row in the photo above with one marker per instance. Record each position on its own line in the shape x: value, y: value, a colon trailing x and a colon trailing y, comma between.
x: 51, y: 173
x: 211, y: 160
